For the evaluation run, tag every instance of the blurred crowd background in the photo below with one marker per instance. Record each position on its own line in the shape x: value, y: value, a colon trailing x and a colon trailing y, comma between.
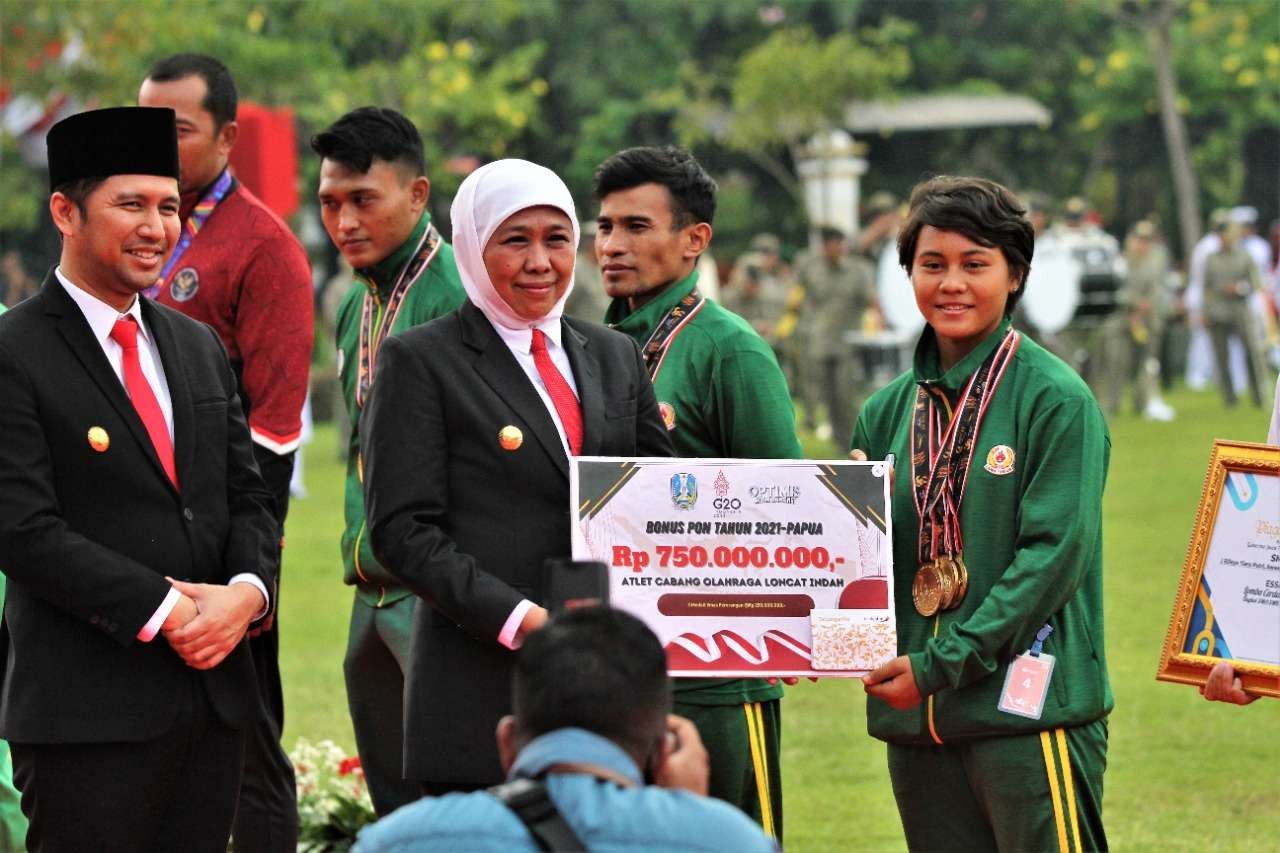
x: 1143, y: 134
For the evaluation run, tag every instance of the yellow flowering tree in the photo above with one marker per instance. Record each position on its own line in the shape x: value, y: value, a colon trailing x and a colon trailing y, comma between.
x: 1209, y: 70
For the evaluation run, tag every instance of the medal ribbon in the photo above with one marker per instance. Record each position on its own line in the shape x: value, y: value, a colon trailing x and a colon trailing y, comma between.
x: 374, y: 330
x: 199, y: 215
x: 655, y: 349
x: 942, y: 452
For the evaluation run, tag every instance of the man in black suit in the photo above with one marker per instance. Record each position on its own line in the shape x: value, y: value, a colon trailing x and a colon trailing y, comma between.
x: 467, y: 439
x: 135, y: 529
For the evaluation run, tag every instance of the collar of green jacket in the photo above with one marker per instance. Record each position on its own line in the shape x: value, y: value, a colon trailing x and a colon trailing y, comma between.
x: 380, y: 277
x: 642, y: 321
x: 926, y: 367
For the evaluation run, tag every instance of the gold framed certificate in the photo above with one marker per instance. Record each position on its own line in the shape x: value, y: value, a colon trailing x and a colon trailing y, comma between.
x: 1228, y: 600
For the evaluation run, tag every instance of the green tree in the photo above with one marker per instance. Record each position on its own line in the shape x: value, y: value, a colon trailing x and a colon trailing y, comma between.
x: 320, y: 59
x: 792, y: 85
x: 1092, y: 64
x: 1211, y: 72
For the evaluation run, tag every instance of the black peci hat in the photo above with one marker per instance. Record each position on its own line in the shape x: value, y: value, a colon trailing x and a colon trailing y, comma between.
x: 115, y: 141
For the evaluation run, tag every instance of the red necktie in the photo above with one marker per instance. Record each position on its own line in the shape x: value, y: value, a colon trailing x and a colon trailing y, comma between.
x: 125, y: 333
x: 562, y: 395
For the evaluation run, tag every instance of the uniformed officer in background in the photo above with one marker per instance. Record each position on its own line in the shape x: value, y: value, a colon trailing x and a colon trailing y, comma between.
x: 1230, y: 279
x: 839, y: 291
x: 1134, y: 330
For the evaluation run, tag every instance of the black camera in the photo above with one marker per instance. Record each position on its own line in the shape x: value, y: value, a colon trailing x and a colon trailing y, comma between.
x: 575, y: 583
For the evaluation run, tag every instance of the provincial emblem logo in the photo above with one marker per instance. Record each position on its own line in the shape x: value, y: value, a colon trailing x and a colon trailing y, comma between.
x: 185, y: 284
x: 668, y: 413
x: 510, y: 437
x: 1000, y: 460
x: 684, y: 490
x: 98, y: 439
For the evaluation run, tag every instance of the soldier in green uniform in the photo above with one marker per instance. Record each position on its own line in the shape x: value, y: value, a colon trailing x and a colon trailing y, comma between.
x: 1134, y: 330
x: 721, y: 394
x: 373, y: 201
x: 995, y: 712
x: 764, y: 292
x: 1230, y: 279
x: 757, y: 290
x: 839, y: 289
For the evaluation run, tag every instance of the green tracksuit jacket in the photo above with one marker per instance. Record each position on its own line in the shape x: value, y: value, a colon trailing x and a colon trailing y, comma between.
x: 730, y: 400
x: 436, y: 292
x: 1032, y: 531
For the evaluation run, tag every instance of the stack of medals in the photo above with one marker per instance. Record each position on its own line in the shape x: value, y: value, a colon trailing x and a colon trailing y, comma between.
x: 940, y: 585
x: 941, y: 452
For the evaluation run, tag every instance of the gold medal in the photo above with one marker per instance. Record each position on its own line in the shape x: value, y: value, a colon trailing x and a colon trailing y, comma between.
x: 510, y: 437
x: 964, y: 578
x: 951, y: 571
x: 947, y: 581
x: 98, y: 439
x: 926, y: 590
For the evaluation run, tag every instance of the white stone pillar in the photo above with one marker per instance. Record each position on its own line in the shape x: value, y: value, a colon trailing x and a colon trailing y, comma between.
x: 831, y: 167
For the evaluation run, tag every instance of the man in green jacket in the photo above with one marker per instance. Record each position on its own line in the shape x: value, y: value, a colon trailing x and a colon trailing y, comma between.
x: 721, y: 394
x: 373, y: 201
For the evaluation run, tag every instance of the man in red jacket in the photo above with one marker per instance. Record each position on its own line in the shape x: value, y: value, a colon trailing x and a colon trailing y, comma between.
x: 238, y: 268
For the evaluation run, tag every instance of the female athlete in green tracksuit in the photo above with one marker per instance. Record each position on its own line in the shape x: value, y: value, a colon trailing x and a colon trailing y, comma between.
x: 997, y: 542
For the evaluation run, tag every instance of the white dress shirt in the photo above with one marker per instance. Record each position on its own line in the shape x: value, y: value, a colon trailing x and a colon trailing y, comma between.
x: 102, y: 318
x: 520, y: 342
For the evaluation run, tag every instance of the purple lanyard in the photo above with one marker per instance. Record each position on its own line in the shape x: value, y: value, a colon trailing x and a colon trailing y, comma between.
x: 199, y: 215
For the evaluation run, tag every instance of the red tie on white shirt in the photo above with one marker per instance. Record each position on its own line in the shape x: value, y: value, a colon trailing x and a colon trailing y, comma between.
x: 562, y: 396
x: 143, y: 396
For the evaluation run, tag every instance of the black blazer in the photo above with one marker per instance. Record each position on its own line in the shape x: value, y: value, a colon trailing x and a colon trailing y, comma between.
x: 466, y: 524
x: 86, y: 537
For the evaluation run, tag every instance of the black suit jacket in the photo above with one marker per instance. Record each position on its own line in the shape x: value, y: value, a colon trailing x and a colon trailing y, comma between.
x: 86, y: 537
x: 466, y: 524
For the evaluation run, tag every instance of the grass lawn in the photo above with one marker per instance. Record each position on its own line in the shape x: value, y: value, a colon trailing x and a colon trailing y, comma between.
x: 1183, y: 774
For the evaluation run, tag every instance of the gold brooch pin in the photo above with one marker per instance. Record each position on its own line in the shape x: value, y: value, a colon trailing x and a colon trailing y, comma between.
x: 510, y: 437
x: 98, y: 439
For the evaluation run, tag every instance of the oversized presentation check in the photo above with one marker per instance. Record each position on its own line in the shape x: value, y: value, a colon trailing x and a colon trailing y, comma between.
x: 745, y: 567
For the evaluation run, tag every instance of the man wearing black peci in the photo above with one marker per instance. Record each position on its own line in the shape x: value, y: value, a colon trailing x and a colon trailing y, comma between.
x: 135, y: 529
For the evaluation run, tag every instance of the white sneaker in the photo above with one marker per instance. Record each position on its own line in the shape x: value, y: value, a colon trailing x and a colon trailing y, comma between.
x: 1158, y: 410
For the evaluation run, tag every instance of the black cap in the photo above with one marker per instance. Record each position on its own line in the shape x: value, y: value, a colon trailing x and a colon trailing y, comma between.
x: 115, y: 141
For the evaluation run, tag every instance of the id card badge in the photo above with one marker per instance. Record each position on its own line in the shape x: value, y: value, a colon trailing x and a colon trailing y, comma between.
x: 1026, y: 684
x: 1027, y: 681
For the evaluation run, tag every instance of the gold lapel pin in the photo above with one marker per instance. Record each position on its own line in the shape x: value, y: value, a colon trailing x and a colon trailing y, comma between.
x: 510, y: 437
x: 98, y: 439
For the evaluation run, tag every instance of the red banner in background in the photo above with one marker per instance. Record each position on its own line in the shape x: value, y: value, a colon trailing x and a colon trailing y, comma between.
x: 265, y: 158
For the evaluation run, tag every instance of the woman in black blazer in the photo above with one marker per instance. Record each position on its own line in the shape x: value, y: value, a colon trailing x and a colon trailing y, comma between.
x: 470, y: 426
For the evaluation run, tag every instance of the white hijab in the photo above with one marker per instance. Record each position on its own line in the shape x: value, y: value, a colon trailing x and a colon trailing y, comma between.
x: 486, y: 198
